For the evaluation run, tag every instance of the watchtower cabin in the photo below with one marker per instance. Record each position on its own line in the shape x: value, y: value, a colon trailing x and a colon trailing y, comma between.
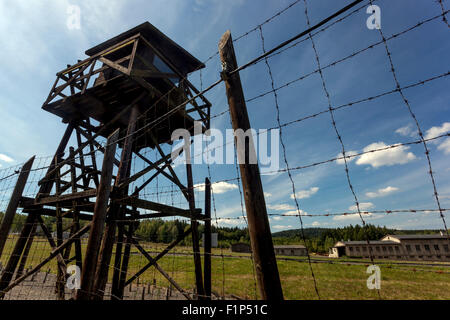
x: 141, y: 65
x: 132, y: 90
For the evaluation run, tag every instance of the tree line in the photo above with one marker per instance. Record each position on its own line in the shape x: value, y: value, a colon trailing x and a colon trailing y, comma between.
x: 318, y: 240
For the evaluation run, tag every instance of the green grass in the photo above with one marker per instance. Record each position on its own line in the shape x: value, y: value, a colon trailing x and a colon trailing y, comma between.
x: 233, y: 275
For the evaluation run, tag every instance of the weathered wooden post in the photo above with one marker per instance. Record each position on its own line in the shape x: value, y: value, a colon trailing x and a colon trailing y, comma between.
x: 98, y: 220
x: 195, y: 240
x: 258, y: 223
x: 207, y: 244
x: 14, y: 203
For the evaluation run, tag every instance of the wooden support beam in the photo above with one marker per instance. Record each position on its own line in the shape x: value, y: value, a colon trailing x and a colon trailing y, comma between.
x: 207, y: 239
x: 13, y: 204
x: 150, y: 205
x: 53, y: 254
x: 115, y: 212
x: 114, y: 65
x: 98, y: 220
x: 169, y: 278
x: 195, y: 240
x: 28, y: 202
x: 179, y: 238
x: 258, y: 221
x: 107, y: 126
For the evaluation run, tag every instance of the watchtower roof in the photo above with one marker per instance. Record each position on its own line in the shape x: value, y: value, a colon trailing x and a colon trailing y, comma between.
x: 180, y: 58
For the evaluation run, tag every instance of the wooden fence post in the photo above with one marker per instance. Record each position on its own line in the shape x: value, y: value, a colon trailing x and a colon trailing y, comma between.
x: 207, y: 239
x: 8, y: 218
x: 258, y: 222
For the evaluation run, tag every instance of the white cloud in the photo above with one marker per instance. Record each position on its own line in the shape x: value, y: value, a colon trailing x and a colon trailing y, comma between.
x: 352, y: 216
x: 267, y: 194
x: 406, y: 131
x: 362, y: 206
x: 280, y: 227
x: 315, y: 224
x: 445, y: 146
x: 280, y: 207
x: 381, y: 192
x: 228, y: 222
x: 303, y: 194
x: 5, y: 158
x: 388, y: 157
x: 277, y: 218
x: 295, y: 213
x: 437, y: 131
x: 217, y: 187
x: 347, y: 154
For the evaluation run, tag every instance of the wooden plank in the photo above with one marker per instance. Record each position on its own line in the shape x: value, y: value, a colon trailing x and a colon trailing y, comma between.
x: 114, y: 65
x: 56, y: 199
x: 150, y: 205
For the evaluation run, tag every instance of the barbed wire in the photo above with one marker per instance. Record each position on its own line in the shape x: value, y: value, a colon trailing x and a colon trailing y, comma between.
x: 416, y: 122
x: 277, y: 108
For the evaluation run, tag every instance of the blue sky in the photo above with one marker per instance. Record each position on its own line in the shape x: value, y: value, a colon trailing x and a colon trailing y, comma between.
x: 37, y: 44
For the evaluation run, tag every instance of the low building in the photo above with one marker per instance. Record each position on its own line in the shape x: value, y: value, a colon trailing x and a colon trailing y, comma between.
x: 241, y: 247
x: 397, y: 247
x: 290, y: 250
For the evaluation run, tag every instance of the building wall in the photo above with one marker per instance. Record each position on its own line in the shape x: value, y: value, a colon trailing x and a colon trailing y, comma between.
x: 241, y: 247
x: 432, y: 249
x: 291, y: 251
x: 407, y: 249
x: 387, y: 251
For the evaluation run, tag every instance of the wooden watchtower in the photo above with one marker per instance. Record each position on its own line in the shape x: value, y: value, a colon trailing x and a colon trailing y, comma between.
x: 131, y: 90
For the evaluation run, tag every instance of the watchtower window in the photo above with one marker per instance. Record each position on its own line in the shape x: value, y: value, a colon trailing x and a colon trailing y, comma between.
x: 163, y: 67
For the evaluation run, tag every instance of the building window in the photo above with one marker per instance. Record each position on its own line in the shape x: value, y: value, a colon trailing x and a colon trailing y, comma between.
x: 378, y: 249
x: 397, y: 249
x: 384, y: 249
x: 364, y: 249
x: 351, y: 249
x: 446, y: 247
x: 417, y: 247
x: 436, y: 247
x: 357, y: 249
x: 427, y: 247
x: 408, y: 248
x: 391, y: 249
x: 292, y: 252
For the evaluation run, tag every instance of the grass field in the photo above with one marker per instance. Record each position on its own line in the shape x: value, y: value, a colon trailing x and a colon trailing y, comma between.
x: 234, y: 275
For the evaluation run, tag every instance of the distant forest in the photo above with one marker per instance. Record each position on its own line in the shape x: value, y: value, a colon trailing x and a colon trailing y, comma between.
x: 318, y: 240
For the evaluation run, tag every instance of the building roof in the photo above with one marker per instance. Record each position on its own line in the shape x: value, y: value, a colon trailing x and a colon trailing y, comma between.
x: 179, y: 57
x: 290, y: 246
x: 372, y: 242
x: 416, y: 236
